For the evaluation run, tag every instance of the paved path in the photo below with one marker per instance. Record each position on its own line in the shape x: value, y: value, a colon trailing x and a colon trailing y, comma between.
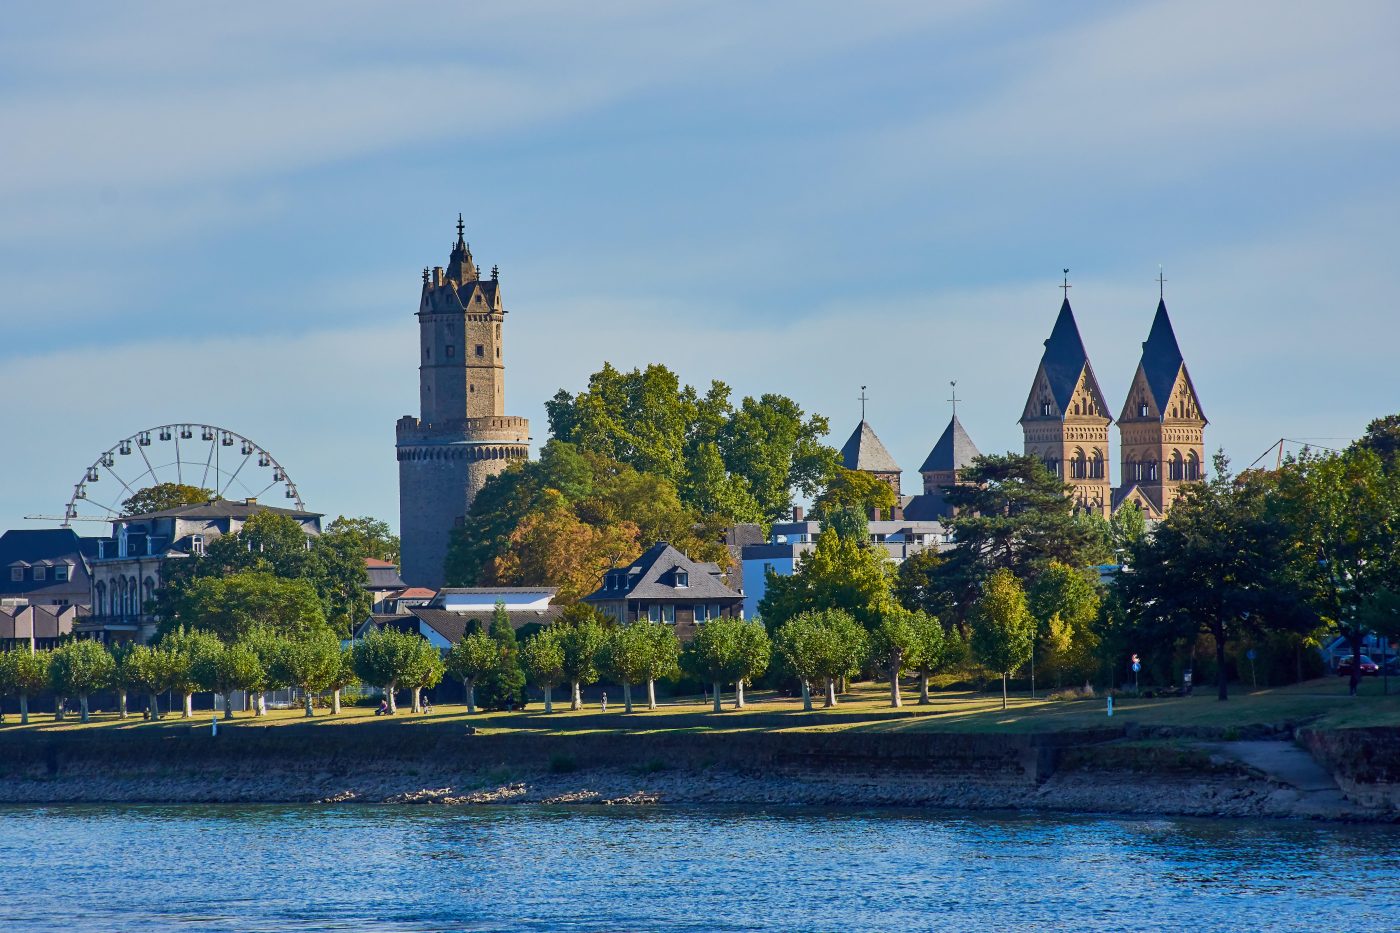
x: 1289, y: 765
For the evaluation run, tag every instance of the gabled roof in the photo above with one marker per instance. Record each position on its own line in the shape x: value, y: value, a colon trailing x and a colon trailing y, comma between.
x: 954, y: 450
x: 1162, y: 361
x: 382, y: 575
x: 652, y: 576
x: 1065, y: 357
x: 864, y: 451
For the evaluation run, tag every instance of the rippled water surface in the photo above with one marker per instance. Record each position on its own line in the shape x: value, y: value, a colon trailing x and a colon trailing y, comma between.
x: 419, y: 869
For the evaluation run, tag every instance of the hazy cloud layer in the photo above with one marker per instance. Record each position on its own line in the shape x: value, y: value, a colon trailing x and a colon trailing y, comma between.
x: 222, y: 218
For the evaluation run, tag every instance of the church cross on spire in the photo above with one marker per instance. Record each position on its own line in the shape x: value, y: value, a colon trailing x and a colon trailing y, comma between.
x: 1066, y: 286
x: 863, y: 400
x: 1161, y: 284
x: 954, y: 399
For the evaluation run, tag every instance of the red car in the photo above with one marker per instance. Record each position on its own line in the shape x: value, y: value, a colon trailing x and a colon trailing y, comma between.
x: 1368, y: 668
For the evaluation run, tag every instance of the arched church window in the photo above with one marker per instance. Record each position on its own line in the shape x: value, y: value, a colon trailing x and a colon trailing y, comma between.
x: 1178, y: 466
x: 1096, y: 465
x: 1193, y: 466
x: 1142, y: 409
x: 1079, y: 466
x: 1151, y: 471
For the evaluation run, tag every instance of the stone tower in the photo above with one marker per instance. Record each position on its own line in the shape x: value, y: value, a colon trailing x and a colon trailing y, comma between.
x: 463, y: 435
x: 864, y: 451
x: 1162, y: 427
x: 1065, y: 421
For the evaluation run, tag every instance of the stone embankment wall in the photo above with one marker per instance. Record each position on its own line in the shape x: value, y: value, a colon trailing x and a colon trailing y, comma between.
x: 1365, y: 762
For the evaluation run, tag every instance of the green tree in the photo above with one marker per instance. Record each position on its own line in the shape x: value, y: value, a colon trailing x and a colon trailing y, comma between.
x: 25, y: 673
x: 80, y: 668
x: 164, y: 496
x: 344, y: 677
x: 185, y: 646
x: 855, y: 491
x: 1012, y: 514
x: 1222, y: 564
x: 753, y: 650
x: 1002, y: 627
x: 1343, y: 513
x: 716, y: 492
x: 778, y: 451
x: 1065, y: 605
x: 581, y: 636
x: 226, y: 668
x: 503, y: 687
x: 624, y: 657
x: 713, y: 654
x: 663, y: 657
x: 824, y: 645
x: 469, y: 660
x: 231, y: 607
x: 311, y: 662
x: 919, y: 584
x: 934, y: 649
x: 1127, y: 527
x: 1382, y: 438
x: 151, y: 670
x: 268, y: 645
x: 543, y: 654
x: 123, y: 674
x: 839, y: 573
x: 374, y: 537
x: 423, y: 670
x: 894, y: 645
x: 388, y: 659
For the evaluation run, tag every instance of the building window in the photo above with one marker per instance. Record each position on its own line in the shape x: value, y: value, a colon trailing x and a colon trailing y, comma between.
x: 682, y: 578
x: 498, y: 353
x: 1142, y: 409
x: 38, y: 574
x: 714, y: 611
x: 60, y: 573
x: 16, y: 574
x: 480, y: 350
x: 668, y: 614
x: 653, y: 613
x: 451, y: 351
x: 700, y: 613
x: 197, y: 545
x: 1045, y: 409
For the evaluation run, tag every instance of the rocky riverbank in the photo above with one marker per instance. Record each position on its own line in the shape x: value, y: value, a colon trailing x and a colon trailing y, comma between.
x: 1100, y: 772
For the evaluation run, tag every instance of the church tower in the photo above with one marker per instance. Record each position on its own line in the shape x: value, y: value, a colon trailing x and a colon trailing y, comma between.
x: 1162, y: 427
x: 1065, y: 421
x: 463, y: 435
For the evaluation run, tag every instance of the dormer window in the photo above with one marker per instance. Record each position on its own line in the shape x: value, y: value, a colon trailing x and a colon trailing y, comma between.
x: 682, y: 578
x: 60, y: 573
x: 197, y: 545
x: 38, y: 574
x: 16, y: 574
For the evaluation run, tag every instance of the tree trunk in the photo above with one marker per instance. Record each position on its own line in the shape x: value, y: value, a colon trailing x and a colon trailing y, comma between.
x: 393, y: 703
x: 188, y: 711
x: 548, y: 698
x: 1003, y: 690
x: 626, y: 697
x: 651, y: 693
x: 894, y: 683
x: 24, y: 709
x: 469, y: 687
x: 1355, y: 663
x: 417, y: 699
x: 228, y: 704
x: 335, y: 702
x: 58, y: 708
x: 806, y: 696
x: 830, y: 693
x: 923, y: 689
x: 718, y: 685
x: 577, y: 701
x: 262, y: 702
x: 309, y: 711
x: 121, y: 704
x: 739, y: 693
x: 1032, y: 671
x: 83, y: 705
x: 1222, y: 677
x: 155, y: 707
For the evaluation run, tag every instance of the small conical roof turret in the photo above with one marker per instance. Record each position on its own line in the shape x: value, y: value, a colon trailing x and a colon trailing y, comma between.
x: 460, y: 267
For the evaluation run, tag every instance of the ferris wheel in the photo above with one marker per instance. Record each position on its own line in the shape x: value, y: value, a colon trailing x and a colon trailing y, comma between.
x: 207, y: 456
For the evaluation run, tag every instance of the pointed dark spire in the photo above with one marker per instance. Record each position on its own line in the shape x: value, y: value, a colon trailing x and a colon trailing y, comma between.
x: 1065, y: 356
x: 460, y: 267
x: 1161, y: 356
x: 953, y: 451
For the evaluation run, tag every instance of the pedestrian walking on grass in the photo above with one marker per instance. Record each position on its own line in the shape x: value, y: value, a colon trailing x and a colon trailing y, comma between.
x: 605, y: 702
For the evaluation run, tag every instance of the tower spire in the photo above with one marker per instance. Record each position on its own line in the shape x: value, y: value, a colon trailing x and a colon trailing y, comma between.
x: 863, y: 400
x: 954, y: 399
x: 461, y: 227
x: 1161, y: 284
x: 1066, y: 286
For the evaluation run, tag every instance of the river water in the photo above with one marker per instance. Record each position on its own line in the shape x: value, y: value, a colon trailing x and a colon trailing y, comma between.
x: 276, y: 868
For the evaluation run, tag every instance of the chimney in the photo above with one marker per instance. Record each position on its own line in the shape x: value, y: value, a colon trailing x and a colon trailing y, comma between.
x: 797, y: 513
x: 897, y: 513
x: 250, y: 501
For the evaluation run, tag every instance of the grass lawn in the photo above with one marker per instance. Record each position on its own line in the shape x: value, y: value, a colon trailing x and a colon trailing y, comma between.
x: 1323, y: 702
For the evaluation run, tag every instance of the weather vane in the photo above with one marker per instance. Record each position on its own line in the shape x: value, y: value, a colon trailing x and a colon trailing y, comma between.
x: 954, y: 399
x: 1067, y: 286
x: 863, y: 400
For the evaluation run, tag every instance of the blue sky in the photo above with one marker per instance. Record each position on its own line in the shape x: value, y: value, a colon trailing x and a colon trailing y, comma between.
x: 223, y: 217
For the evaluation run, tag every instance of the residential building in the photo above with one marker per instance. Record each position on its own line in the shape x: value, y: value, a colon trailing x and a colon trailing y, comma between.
x: 664, y: 585
x: 37, y: 627
x: 454, y: 611
x: 128, y: 567
x: 45, y: 567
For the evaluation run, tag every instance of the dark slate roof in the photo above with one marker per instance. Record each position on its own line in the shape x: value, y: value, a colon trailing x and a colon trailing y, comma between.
x: 650, y: 577
x: 382, y: 575
x: 1065, y: 357
x: 863, y: 451
x: 927, y: 507
x: 38, y: 545
x: 1162, y: 360
x: 220, y: 508
x: 497, y: 590
x: 954, y: 450
x: 453, y: 626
